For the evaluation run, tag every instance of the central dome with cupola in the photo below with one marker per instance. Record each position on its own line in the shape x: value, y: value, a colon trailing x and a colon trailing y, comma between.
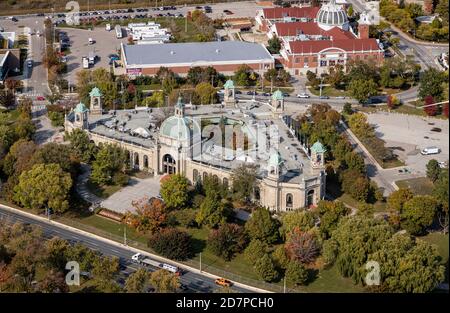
x: 332, y: 15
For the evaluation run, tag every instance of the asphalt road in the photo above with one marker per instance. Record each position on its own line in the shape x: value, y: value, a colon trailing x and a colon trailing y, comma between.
x: 195, y: 282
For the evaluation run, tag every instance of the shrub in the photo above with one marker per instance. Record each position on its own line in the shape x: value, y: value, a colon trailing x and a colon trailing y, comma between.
x: 172, y: 243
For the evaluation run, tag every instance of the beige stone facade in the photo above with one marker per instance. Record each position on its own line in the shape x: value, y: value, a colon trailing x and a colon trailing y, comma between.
x: 172, y: 152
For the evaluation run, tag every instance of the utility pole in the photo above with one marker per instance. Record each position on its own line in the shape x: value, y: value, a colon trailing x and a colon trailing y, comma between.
x: 125, y: 234
x: 200, y: 262
x: 321, y: 85
x: 284, y: 284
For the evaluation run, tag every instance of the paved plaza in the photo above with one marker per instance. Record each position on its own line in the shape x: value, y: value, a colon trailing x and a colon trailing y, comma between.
x: 136, y: 190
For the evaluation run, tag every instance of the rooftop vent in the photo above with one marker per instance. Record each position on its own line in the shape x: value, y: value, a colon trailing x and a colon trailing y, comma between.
x: 172, y: 52
x: 217, y: 51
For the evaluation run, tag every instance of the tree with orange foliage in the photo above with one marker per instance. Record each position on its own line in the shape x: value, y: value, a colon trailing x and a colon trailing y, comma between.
x: 302, y: 246
x: 150, y: 216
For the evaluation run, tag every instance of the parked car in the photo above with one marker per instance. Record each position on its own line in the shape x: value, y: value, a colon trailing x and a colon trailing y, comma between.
x: 228, y: 12
x: 302, y: 95
x: 340, y: 97
x: 324, y: 97
x: 223, y: 282
x: 252, y: 93
x: 430, y: 150
x: 14, y: 19
x: 443, y: 164
x: 40, y: 98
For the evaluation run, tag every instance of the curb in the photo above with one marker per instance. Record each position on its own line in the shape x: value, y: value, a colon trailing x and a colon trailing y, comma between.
x: 112, y: 242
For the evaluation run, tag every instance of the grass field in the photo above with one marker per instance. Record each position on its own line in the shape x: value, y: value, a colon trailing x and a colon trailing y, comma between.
x: 405, y: 109
x: 420, y: 185
x: 441, y: 242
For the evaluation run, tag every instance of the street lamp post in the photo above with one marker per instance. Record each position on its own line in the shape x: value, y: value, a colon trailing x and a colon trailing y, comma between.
x: 200, y: 262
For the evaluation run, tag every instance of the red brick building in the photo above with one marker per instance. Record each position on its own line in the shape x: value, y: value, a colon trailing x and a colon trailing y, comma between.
x: 315, y: 44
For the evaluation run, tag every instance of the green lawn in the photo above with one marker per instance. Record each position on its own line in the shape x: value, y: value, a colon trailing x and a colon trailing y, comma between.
x: 420, y: 185
x: 330, y: 280
x: 441, y: 242
x: 405, y: 109
x: 329, y: 91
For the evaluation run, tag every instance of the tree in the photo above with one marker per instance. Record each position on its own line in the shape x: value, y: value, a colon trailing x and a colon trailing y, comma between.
x: 355, y: 161
x: 330, y: 213
x: 262, y: 226
x: 358, y: 124
x: 357, y: 237
x: 442, y: 10
x: 44, y: 187
x: 392, y: 102
x: 150, y: 216
x: 244, y: 182
x: 440, y: 193
x: 227, y: 240
x: 164, y: 281
x: 174, y: 191
x: 362, y: 89
x: 53, y: 282
x: 56, y: 253
x: 398, y: 198
x: 429, y: 108
x: 433, y: 170
x: 347, y: 109
x: 431, y: 84
x: 274, y: 45
x: 355, y: 184
x: 243, y: 76
x: 206, y: 93
x: 301, y: 219
x: 265, y: 268
x: 104, y: 272
x: 280, y: 257
x: 59, y: 154
x: 138, y: 281
x: 296, y: 273
x: 7, y: 98
x: 255, y: 250
x: 302, y: 246
x: 81, y: 145
x: 155, y: 100
x: 213, y: 212
x: 336, y: 76
x: 417, y: 214
x: 330, y: 251
x: 109, y: 160
x: 409, y: 266
x: 172, y: 243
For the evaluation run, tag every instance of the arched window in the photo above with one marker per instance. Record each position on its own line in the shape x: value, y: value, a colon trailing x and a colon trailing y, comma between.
x: 205, y: 176
x: 136, y: 160
x: 195, y: 176
x: 257, y: 193
x: 145, y: 161
x: 169, y: 164
x: 310, y: 198
x: 289, y: 201
x: 225, y: 182
x: 215, y: 179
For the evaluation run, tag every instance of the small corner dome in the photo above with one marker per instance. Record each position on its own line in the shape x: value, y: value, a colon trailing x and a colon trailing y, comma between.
x: 318, y: 147
x: 277, y: 95
x: 80, y: 108
x: 229, y: 84
x: 95, y: 92
x: 275, y: 160
x: 331, y: 15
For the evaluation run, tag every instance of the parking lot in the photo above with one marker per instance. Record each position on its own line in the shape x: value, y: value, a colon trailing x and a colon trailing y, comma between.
x: 105, y: 44
x: 408, y: 134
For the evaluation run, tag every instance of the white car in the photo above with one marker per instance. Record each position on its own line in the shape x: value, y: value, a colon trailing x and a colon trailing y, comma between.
x: 430, y: 150
x: 302, y: 95
x: 38, y: 33
x: 443, y: 164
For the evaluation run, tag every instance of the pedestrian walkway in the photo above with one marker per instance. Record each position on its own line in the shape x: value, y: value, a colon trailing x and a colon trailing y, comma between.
x: 81, y: 186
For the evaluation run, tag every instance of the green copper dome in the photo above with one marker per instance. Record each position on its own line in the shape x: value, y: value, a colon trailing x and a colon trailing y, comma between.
x: 95, y: 92
x: 277, y: 95
x: 80, y: 108
x: 275, y: 160
x: 317, y: 147
x: 229, y: 84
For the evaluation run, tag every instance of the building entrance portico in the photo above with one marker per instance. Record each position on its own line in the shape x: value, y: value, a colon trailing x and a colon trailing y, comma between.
x: 169, y: 164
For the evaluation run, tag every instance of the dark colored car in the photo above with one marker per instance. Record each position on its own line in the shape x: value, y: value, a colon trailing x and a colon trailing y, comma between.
x: 324, y: 97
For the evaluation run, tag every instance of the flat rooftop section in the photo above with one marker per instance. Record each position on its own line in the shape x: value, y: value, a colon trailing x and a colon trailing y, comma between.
x: 201, y: 52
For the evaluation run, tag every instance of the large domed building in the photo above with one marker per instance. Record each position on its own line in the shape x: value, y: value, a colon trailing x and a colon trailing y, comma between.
x: 332, y: 15
x: 213, y: 141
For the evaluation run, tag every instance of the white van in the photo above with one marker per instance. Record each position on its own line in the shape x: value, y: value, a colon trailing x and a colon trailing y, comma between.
x: 108, y: 27
x: 430, y: 150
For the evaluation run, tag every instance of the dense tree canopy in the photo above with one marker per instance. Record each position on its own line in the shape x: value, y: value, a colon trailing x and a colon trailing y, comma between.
x: 262, y: 226
x: 174, y: 191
